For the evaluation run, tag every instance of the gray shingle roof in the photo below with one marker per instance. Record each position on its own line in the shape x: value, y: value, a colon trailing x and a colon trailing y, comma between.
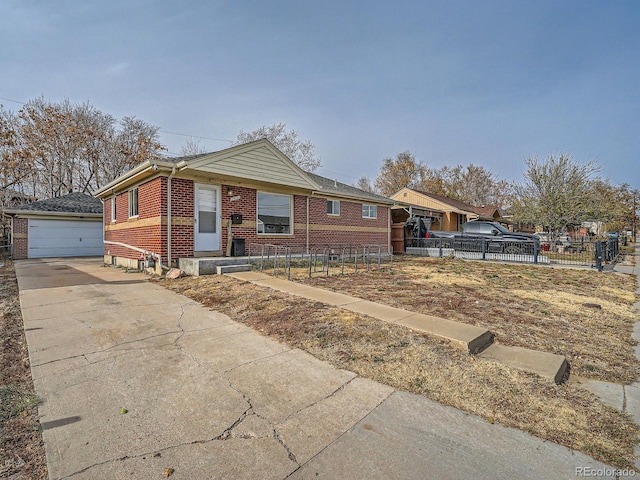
x: 75, y: 202
x: 336, y: 188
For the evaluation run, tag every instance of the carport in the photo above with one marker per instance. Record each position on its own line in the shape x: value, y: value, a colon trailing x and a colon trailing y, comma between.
x: 66, y: 226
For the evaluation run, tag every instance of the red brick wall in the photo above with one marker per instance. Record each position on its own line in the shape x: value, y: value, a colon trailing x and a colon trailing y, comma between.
x: 335, y: 230
x: 349, y: 228
x: 140, y: 231
x: 182, y: 197
x: 20, y: 239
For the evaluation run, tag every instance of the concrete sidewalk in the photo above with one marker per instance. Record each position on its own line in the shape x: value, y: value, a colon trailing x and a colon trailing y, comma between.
x: 471, y: 338
x: 211, y: 398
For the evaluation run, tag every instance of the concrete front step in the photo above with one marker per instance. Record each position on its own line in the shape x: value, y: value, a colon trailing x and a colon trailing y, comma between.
x: 226, y: 269
x: 545, y: 364
x: 196, y: 266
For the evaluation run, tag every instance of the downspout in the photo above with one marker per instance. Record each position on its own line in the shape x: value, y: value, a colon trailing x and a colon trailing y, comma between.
x: 173, y: 172
x: 104, y: 229
x: 307, y: 223
x: 388, y: 225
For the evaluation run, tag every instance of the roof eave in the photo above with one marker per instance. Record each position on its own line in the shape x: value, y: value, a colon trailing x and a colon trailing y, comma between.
x: 133, y: 175
x: 322, y: 193
x: 48, y: 213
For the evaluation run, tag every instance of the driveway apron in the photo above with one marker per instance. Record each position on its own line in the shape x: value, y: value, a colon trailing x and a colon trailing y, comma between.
x: 136, y: 381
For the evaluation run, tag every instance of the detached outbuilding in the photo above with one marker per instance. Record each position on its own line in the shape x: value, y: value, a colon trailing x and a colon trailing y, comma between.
x: 66, y: 226
x: 221, y: 203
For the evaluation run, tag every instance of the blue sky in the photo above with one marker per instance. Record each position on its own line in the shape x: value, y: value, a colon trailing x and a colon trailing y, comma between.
x: 454, y: 82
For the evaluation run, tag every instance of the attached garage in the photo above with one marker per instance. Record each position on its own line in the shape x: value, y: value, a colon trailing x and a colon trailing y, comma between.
x: 67, y: 226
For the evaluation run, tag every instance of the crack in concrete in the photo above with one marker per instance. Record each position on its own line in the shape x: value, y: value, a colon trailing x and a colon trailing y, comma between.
x: 250, y: 411
x: 339, y: 389
x: 343, y: 434
x: 175, y: 342
x: 249, y: 362
x: 624, y: 399
x: 95, y: 352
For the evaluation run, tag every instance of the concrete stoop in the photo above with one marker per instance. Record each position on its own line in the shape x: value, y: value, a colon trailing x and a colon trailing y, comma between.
x: 196, y: 266
x: 474, y: 339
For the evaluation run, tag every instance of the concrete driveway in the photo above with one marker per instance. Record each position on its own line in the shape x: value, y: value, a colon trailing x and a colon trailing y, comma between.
x: 210, y: 398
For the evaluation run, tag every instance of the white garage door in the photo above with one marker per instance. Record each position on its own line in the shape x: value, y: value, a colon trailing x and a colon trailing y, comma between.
x: 64, y: 238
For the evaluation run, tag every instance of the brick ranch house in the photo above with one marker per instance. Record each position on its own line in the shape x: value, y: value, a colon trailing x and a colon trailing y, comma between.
x: 183, y: 207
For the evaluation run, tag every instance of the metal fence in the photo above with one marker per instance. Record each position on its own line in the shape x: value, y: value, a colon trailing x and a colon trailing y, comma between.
x: 324, y: 260
x: 580, y: 252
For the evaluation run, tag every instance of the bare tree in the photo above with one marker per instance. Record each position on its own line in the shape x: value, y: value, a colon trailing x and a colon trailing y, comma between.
x: 364, y: 183
x: 397, y: 173
x: 64, y: 147
x: 192, y: 147
x: 301, y: 153
x: 472, y: 184
x: 555, y: 194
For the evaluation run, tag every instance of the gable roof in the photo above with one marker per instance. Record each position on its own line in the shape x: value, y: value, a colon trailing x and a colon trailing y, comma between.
x: 467, y: 207
x: 485, y: 212
x: 248, y: 161
x: 76, y: 203
x: 433, y: 201
x: 259, y: 161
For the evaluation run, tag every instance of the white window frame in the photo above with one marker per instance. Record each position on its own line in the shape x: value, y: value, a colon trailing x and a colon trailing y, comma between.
x: 333, y: 211
x: 259, y: 222
x: 113, y: 209
x: 134, y: 193
x: 369, y: 209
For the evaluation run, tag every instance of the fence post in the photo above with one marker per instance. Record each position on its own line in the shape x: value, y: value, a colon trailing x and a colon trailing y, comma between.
x: 536, y: 250
x: 599, y: 252
x: 484, y: 248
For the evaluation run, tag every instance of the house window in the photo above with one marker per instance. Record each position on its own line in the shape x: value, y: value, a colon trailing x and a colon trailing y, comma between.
x: 333, y: 207
x: 133, y: 202
x: 274, y: 214
x: 113, y: 209
x: 369, y: 211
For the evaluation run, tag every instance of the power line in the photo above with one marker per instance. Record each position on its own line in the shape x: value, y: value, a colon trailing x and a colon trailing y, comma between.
x: 159, y: 131
x: 196, y: 136
x: 14, y: 101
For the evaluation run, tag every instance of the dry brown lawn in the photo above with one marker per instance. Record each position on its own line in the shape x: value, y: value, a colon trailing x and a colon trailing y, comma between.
x: 22, y: 449
x: 413, y: 362
x: 535, y: 307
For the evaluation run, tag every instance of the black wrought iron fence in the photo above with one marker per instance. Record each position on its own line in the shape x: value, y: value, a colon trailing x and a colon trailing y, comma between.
x: 583, y: 252
x: 297, y: 261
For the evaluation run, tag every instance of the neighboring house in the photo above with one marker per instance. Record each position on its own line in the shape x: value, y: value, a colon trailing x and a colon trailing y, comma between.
x: 194, y: 206
x: 446, y: 213
x: 10, y: 198
x: 67, y: 226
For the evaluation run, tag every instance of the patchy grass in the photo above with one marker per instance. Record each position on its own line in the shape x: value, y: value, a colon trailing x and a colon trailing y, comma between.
x: 21, y: 449
x: 541, y: 308
x: 410, y: 361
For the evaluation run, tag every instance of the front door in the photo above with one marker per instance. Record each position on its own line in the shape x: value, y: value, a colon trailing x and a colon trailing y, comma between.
x: 207, y: 221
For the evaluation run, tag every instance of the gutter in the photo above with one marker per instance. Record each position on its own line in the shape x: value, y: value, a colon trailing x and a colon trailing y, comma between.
x: 11, y: 212
x: 173, y: 172
x: 130, y: 176
x: 319, y: 193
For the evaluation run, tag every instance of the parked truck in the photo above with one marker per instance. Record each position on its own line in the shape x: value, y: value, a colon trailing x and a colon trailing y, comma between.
x: 476, y: 234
